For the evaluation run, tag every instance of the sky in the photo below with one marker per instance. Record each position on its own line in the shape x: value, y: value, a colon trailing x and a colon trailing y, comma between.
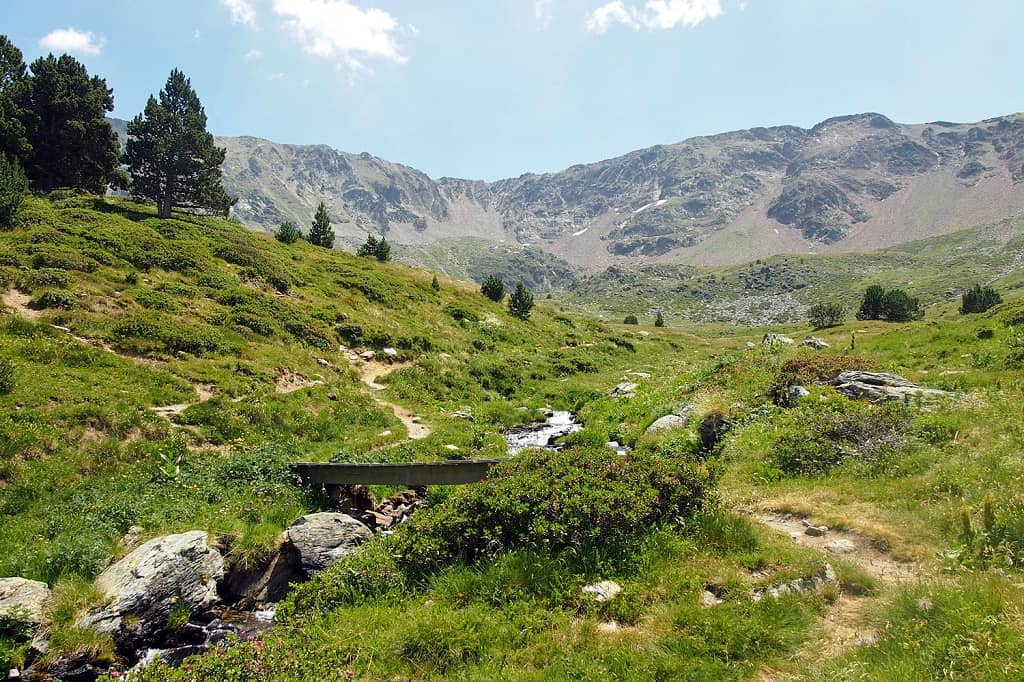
x: 487, y: 89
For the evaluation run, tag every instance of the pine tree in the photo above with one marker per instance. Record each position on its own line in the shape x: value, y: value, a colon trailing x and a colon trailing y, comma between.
x: 72, y: 143
x: 659, y: 320
x: 320, y: 233
x: 13, y: 185
x: 872, y: 306
x: 979, y: 299
x: 369, y: 247
x: 171, y: 156
x: 383, y: 252
x: 434, y: 284
x: 288, y: 233
x: 13, y: 91
x: 520, y: 303
x: 493, y: 288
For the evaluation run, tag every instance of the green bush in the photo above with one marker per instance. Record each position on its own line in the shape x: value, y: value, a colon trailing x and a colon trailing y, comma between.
x: 61, y: 300
x: 810, y: 369
x: 288, y: 233
x: 893, y: 305
x: 631, y: 319
x: 45, y: 278
x: 156, y: 300
x: 550, y: 501
x: 6, y: 376
x: 824, y: 315
x: 493, y: 288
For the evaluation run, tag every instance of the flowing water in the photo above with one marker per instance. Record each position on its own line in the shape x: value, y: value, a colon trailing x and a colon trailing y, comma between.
x: 543, y: 435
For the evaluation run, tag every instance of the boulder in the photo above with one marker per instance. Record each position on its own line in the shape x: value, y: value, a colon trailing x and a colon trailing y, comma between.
x: 390, y: 352
x: 771, y: 339
x: 626, y: 389
x: 322, y: 538
x: 605, y: 590
x: 795, y: 393
x: 667, y: 423
x: 154, y: 578
x: 878, y: 387
x: 367, y: 355
x: 28, y: 598
x: 815, y: 343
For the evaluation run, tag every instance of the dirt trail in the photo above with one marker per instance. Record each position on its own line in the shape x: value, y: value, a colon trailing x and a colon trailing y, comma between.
x: 371, y: 370
x: 12, y: 298
x: 845, y: 625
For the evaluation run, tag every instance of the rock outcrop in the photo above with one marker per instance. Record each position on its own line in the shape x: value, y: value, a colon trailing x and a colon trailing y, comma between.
x: 155, y: 578
x: 878, y: 387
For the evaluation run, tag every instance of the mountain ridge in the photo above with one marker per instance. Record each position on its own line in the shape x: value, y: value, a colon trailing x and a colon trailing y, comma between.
x: 850, y: 183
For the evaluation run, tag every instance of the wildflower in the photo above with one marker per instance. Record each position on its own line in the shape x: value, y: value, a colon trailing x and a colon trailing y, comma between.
x: 350, y: 674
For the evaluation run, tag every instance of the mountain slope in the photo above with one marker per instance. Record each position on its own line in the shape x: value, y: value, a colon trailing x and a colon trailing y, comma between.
x: 850, y: 183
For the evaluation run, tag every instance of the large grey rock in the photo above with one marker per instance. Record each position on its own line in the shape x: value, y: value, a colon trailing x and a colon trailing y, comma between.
x: 667, y: 423
x: 21, y: 596
x: 145, y: 586
x: 815, y: 343
x: 878, y: 387
x: 772, y: 339
x: 324, y: 537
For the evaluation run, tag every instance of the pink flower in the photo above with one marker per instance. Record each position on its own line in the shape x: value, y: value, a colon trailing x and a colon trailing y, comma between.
x: 350, y: 674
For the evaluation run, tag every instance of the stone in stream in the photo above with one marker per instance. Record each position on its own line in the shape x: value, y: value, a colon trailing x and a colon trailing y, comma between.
x: 322, y: 538
x: 145, y: 586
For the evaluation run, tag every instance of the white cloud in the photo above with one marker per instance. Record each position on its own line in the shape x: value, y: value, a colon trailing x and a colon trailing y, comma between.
x: 253, y: 54
x: 655, y: 14
x: 339, y: 31
x: 196, y: 35
x: 72, y: 41
x: 242, y: 11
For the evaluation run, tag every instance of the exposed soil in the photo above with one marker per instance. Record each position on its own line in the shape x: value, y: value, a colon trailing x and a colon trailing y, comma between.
x: 369, y: 372
x: 14, y: 299
x: 288, y: 381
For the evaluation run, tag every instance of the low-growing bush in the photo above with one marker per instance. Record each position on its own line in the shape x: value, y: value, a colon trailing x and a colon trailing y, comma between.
x: 61, y: 300
x: 6, y: 376
x: 811, y: 369
x: 551, y: 501
x: 45, y: 278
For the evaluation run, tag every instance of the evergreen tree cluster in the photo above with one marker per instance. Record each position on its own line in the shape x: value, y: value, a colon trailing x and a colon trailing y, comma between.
x: 893, y: 305
x: 630, y: 319
x: 54, y: 134
x: 979, y: 299
x: 288, y: 233
x: 375, y: 248
x: 53, y: 128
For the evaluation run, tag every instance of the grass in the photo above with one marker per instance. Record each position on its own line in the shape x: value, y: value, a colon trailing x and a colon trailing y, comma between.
x: 202, y: 314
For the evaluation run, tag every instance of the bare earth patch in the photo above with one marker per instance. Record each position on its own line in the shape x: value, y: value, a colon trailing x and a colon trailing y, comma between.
x: 17, y: 301
x: 369, y: 372
x: 288, y: 381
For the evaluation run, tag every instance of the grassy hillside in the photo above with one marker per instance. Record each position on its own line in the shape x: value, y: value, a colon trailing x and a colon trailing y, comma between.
x: 166, y: 372
x: 779, y: 289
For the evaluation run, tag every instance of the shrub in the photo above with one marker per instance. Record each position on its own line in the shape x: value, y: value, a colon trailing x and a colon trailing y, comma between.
x: 46, y: 278
x: 459, y: 313
x: 550, y: 501
x: 6, y: 376
x: 156, y: 300
x: 631, y: 319
x: 61, y: 300
x: 810, y: 369
x: 13, y: 186
x: 659, y: 320
x: 824, y: 315
x: 493, y: 288
x: 979, y: 299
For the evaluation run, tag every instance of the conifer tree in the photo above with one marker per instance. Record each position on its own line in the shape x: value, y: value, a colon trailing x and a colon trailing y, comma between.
x: 13, y: 90
x: 520, y: 303
x: 13, y: 185
x: 434, y: 284
x: 171, y: 156
x: 383, y: 251
x: 659, y: 320
x: 369, y: 247
x: 493, y: 288
x: 288, y: 233
x: 320, y: 233
x: 64, y: 112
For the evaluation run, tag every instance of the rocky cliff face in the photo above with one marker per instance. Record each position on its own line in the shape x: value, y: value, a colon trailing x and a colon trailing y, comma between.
x: 849, y: 183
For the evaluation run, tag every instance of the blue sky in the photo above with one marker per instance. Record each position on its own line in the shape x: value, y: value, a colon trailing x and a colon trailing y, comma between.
x: 495, y: 88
